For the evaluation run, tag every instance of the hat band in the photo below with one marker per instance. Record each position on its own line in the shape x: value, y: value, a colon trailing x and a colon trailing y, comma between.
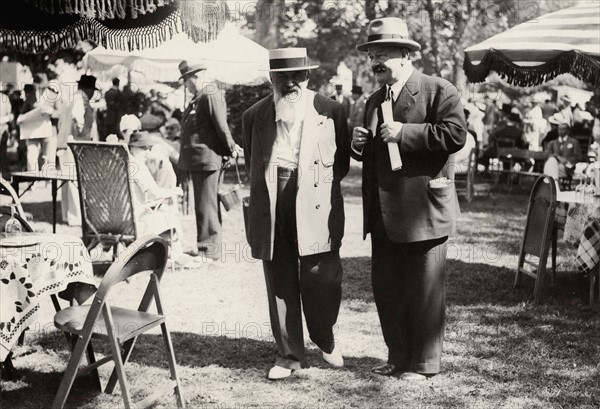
x: 375, y: 37
x: 278, y: 63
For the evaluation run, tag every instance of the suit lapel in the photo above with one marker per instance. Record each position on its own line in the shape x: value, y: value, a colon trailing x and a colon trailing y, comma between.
x: 407, y: 97
x: 266, y: 129
x: 378, y: 98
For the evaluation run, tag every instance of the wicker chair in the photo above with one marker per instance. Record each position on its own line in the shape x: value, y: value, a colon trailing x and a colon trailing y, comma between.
x: 107, y: 207
x: 8, y: 196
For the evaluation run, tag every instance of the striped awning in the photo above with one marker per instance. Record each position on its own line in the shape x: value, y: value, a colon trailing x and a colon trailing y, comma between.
x: 565, y: 41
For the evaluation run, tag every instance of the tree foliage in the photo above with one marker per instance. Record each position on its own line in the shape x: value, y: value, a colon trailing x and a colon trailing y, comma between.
x: 330, y: 30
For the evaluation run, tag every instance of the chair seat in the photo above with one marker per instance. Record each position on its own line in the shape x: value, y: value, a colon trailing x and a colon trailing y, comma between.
x: 128, y: 323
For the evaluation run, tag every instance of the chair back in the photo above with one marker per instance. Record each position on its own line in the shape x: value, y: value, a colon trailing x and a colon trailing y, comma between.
x: 104, y: 190
x: 147, y: 254
x: 9, y: 196
x: 540, y: 217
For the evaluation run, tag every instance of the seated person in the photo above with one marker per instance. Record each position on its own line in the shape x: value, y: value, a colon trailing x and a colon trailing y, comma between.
x: 565, y: 152
x: 157, y: 210
x: 159, y: 161
x: 128, y: 125
x: 507, y: 134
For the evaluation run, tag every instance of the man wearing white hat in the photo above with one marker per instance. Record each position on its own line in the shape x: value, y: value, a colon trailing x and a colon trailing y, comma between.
x: 565, y: 151
x: 297, y: 150
x: 409, y: 211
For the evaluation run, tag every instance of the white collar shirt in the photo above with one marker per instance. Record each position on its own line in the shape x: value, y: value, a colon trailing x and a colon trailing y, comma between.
x: 398, y: 85
x: 287, y: 143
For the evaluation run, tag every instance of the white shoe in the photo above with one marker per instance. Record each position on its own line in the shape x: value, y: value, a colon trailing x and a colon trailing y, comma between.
x: 279, y: 372
x: 335, y: 358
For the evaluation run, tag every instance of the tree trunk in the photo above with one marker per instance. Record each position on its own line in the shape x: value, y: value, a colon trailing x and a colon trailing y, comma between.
x: 433, y: 38
x: 370, y: 11
x: 269, y: 21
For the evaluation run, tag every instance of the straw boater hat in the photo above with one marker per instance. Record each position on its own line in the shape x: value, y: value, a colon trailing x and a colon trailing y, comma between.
x: 289, y: 59
x: 391, y: 31
x: 186, y: 70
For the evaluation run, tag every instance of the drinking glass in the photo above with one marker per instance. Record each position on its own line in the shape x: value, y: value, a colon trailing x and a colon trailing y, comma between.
x: 13, y: 225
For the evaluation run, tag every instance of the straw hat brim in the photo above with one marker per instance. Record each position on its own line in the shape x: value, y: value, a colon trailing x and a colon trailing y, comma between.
x: 410, y: 44
x: 308, y: 67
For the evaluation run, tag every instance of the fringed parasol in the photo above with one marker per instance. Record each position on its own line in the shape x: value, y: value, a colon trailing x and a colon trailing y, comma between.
x: 566, y: 41
x: 37, y: 26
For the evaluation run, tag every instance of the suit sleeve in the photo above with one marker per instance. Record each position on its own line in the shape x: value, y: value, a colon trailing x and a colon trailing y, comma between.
x: 354, y: 153
x: 247, y: 139
x: 342, y: 141
x: 446, y: 133
x: 218, y: 116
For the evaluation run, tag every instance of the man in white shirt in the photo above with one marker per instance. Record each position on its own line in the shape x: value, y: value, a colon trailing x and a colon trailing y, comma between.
x: 296, y: 148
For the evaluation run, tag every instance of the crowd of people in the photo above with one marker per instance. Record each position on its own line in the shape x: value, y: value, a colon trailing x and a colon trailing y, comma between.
x: 297, y: 146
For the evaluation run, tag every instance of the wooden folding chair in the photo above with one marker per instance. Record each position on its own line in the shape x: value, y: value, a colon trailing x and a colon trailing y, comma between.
x: 107, y: 207
x: 121, y: 326
x: 538, y: 233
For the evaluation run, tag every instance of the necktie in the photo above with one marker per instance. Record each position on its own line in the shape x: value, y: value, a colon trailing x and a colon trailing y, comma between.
x: 390, y: 95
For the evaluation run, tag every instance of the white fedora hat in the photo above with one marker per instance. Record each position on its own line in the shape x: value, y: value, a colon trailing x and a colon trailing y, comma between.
x: 289, y: 59
x: 391, y: 31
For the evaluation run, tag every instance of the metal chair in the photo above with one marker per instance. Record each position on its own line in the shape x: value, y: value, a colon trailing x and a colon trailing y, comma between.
x: 8, y: 196
x: 464, y: 179
x: 538, y: 234
x: 107, y: 207
x: 120, y: 326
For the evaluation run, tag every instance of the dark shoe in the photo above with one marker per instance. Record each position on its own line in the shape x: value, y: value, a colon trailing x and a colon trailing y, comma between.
x: 193, y: 252
x: 413, y: 377
x: 386, y: 370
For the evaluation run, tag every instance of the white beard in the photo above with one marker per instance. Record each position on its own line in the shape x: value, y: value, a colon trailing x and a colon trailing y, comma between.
x: 291, y: 107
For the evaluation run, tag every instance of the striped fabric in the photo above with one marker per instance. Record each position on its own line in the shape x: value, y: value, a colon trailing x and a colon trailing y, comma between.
x: 567, y: 40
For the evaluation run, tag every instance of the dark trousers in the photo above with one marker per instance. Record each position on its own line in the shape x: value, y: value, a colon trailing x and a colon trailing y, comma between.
x: 408, y: 286
x: 295, y: 283
x: 208, y: 213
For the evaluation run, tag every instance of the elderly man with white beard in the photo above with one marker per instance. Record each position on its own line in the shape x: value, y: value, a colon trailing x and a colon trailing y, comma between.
x: 297, y: 150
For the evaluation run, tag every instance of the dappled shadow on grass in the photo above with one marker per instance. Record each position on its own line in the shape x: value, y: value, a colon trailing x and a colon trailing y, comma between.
x: 356, y: 284
x: 487, y: 284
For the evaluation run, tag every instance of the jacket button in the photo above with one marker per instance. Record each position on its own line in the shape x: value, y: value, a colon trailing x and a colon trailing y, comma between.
x: 316, y: 184
x: 317, y: 162
x: 317, y: 206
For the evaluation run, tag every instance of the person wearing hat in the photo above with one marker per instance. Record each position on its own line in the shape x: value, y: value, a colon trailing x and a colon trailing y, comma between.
x: 409, y: 212
x: 75, y: 122
x: 341, y: 98
x: 566, y: 111
x: 552, y: 134
x: 163, y: 219
x: 565, y: 151
x: 295, y: 224
x: 35, y: 125
x: 206, y: 144
x: 357, y: 109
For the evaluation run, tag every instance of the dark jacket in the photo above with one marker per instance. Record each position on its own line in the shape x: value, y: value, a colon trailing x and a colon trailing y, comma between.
x: 434, y: 128
x: 205, y: 135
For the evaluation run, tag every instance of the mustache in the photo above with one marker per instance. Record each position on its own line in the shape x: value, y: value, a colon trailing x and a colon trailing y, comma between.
x: 379, y: 68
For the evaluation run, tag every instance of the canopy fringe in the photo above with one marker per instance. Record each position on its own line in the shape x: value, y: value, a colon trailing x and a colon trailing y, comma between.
x: 203, y: 20
x: 100, y: 9
x: 127, y: 39
x: 574, y: 62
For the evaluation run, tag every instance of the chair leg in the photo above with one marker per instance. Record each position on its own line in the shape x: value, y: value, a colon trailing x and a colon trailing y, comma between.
x: 127, y: 349
x: 116, y: 353
x: 91, y: 358
x: 554, y: 248
x: 172, y: 364
x: 70, y: 373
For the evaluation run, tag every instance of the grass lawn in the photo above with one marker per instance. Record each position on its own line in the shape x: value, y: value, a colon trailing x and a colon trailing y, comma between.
x: 500, y: 350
